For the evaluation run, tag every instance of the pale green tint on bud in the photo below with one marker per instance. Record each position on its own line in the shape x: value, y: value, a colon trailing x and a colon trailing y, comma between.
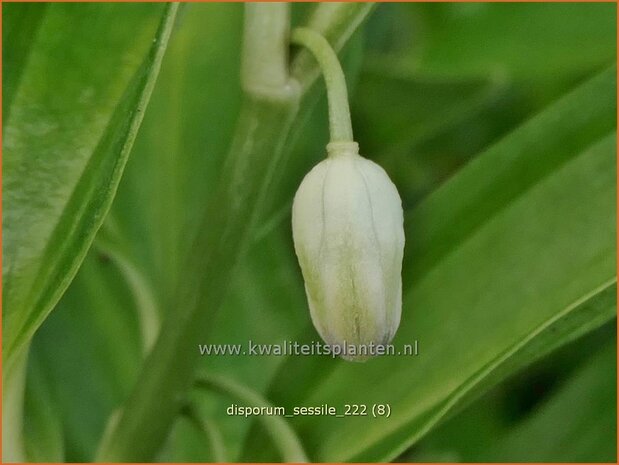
x: 347, y: 224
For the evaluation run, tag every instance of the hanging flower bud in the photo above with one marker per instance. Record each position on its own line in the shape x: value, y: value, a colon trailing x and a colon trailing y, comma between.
x: 347, y: 226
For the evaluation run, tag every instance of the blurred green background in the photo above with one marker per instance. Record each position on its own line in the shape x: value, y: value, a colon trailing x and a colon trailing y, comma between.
x: 510, y: 254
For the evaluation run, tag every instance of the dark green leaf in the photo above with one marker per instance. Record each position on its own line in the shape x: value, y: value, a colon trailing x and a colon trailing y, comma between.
x: 578, y: 424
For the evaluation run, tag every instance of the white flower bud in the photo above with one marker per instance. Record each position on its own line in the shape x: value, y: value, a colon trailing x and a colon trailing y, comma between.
x: 347, y: 225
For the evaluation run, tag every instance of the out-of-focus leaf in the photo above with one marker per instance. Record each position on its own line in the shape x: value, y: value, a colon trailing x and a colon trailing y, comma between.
x: 20, y: 23
x: 172, y: 170
x: 89, y: 351
x: 472, y: 433
x: 423, y: 123
x: 533, y: 219
x: 43, y: 435
x: 529, y: 41
x: 188, y: 443
x: 411, y: 126
x: 578, y: 424
x: 72, y: 124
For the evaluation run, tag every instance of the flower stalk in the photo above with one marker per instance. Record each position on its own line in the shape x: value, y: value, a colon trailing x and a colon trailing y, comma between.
x: 340, y: 126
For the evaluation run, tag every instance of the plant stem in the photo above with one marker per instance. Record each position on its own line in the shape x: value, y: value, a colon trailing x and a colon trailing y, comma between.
x: 282, y: 434
x: 167, y: 374
x: 264, y: 65
x: 336, y: 22
x: 340, y: 126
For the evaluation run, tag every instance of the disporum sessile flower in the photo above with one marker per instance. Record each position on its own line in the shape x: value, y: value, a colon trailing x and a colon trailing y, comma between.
x: 347, y: 224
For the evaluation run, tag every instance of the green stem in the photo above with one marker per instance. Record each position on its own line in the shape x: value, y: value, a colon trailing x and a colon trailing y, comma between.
x: 280, y: 431
x: 340, y: 126
x: 167, y: 374
x: 264, y: 65
x: 336, y: 22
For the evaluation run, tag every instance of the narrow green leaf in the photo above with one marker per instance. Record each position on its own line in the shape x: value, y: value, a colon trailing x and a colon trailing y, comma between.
x: 196, y: 100
x: 66, y: 145
x: 512, y: 257
x: 578, y: 424
x: 470, y: 435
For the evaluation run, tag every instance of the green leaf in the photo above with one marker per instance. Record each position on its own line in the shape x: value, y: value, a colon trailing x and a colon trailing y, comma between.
x: 94, y: 365
x: 20, y: 24
x: 150, y: 221
x: 532, y: 41
x: 445, y: 109
x: 511, y: 258
x: 43, y: 433
x: 196, y: 100
x: 70, y: 131
x: 578, y: 424
x: 473, y: 434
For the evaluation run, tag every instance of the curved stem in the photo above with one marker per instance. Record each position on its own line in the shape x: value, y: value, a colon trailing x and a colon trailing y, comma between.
x: 340, y: 126
x: 336, y: 22
x: 280, y: 431
x: 141, y: 290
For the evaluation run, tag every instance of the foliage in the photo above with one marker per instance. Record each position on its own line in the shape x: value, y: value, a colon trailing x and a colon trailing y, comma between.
x: 497, y: 122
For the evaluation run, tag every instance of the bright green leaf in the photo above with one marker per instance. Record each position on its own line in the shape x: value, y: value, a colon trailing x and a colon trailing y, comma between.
x: 511, y: 258
x: 73, y: 121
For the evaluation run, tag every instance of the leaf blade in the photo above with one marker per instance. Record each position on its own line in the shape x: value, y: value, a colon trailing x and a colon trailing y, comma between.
x: 551, y: 238
x: 34, y: 285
